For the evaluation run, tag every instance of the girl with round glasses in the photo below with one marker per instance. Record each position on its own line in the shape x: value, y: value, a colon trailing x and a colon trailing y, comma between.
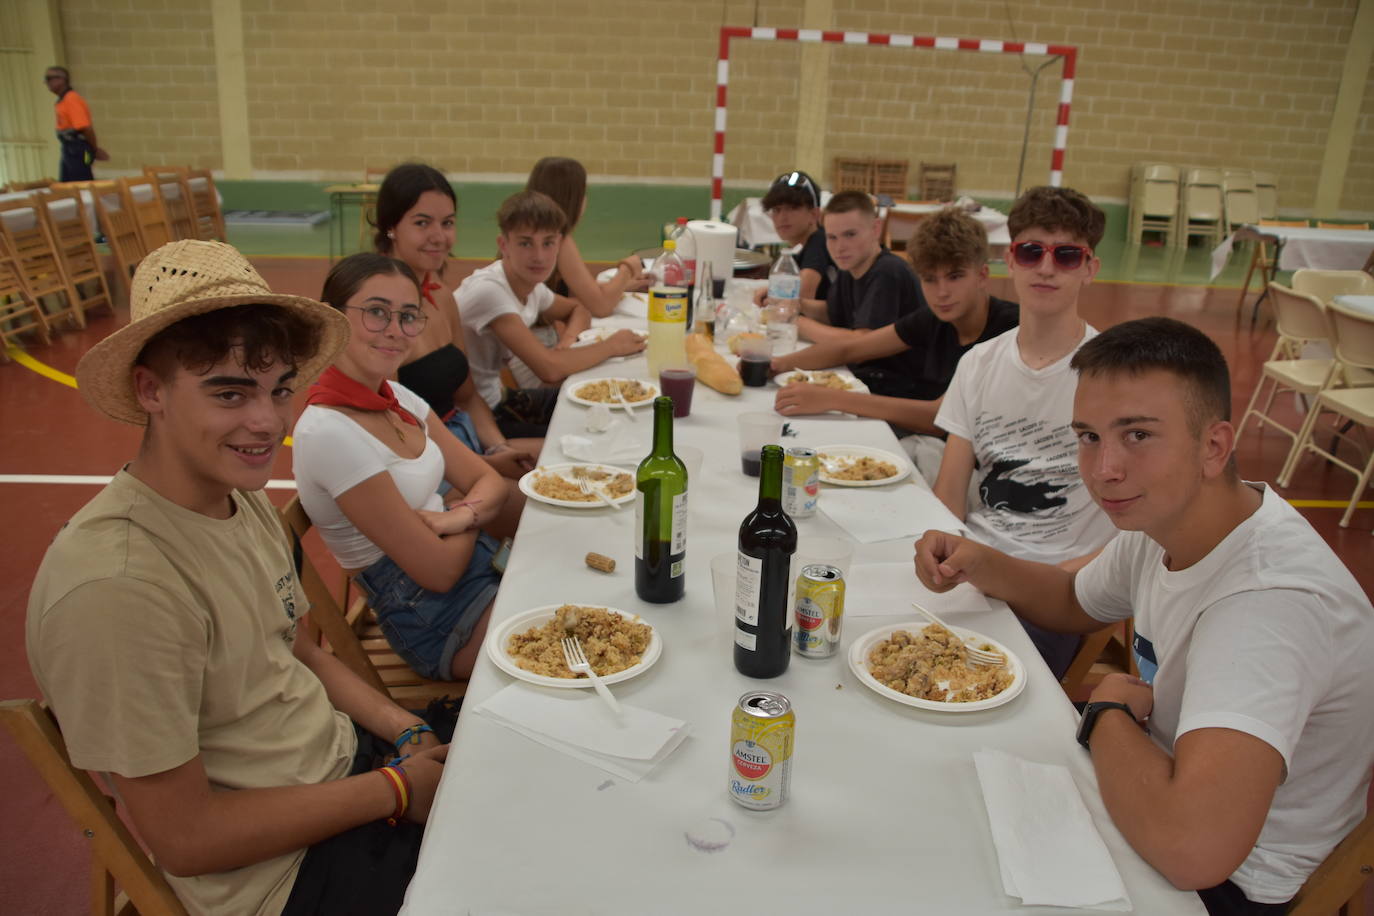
x: 369, y: 456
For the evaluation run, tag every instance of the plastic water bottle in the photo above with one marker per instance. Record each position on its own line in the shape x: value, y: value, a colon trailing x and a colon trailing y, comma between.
x: 784, y: 303
x: 667, y: 311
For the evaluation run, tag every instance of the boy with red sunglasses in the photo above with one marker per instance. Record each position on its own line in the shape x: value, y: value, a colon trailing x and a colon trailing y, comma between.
x: 1007, y: 411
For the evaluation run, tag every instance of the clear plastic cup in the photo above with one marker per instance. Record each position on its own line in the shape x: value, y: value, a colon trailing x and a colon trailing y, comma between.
x: 677, y: 382
x: 755, y: 356
x: 755, y: 431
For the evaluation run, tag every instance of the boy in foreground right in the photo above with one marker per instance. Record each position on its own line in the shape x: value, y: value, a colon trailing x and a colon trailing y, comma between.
x: 1252, y: 639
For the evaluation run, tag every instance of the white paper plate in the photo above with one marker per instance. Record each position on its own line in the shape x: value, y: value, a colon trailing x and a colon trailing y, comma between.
x: 614, y: 405
x: 497, y: 641
x: 526, y: 485
x: 802, y: 375
x: 902, y: 465
x: 858, y: 663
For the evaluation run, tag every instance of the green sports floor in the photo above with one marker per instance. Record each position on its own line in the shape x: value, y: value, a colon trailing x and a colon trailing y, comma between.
x: 623, y: 218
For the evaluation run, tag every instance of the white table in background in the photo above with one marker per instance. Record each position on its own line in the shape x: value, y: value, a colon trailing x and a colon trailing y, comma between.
x: 1299, y: 246
x: 1353, y: 301
x: 886, y: 811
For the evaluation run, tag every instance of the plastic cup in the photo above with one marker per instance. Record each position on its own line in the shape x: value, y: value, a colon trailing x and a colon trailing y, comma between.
x: 755, y: 431
x: 692, y: 457
x: 755, y: 356
x: 677, y: 383
x: 723, y: 568
x: 830, y: 551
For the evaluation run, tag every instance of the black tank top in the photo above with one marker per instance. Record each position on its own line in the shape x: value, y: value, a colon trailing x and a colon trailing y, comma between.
x: 436, y: 377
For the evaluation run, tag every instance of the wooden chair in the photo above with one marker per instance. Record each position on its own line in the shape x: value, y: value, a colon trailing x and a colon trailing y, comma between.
x: 35, y: 257
x: 19, y: 313
x: 368, y: 654
x: 65, y: 215
x: 143, y: 202
x: 116, y: 856
x: 937, y: 180
x: 1264, y: 261
x: 121, y: 234
x: 367, y: 207
x: 175, y: 205
x: 204, y: 201
x: 1357, y: 227
x: 851, y: 174
x: 889, y: 177
x: 166, y: 171
x: 1110, y: 648
x: 1337, y: 886
x: 41, y: 184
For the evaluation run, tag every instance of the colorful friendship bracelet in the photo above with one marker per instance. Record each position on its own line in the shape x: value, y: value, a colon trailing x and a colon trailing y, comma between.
x: 400, y: 784
x: 411, y: 735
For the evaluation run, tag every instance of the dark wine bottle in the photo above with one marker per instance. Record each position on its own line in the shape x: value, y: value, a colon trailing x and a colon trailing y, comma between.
x: 661, y: 515
x: 767, y: 540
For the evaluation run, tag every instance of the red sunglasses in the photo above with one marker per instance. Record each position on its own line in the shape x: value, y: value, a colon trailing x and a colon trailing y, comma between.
x: 1066, y: 257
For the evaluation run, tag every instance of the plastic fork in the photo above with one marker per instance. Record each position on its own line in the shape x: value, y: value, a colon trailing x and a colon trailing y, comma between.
x: 620, y: 399
x: 586, y: 486
x: 577, y: 662
x: 974, y: 655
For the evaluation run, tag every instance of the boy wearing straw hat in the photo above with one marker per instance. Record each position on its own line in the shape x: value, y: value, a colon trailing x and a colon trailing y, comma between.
x: 162, y: 624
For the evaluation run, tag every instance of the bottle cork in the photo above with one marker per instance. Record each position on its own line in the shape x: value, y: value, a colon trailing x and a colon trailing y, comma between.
x: 597, y: 561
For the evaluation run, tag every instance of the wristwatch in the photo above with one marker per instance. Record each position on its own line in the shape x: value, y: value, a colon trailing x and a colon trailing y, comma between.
x: 1090, y: 714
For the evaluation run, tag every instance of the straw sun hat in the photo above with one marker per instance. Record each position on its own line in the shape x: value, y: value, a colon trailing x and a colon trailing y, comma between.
x: 177, y: 281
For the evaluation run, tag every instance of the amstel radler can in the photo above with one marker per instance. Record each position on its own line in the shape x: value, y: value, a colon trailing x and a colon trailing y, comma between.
x: 818, y: 611
x: 761, y: 750
x: 801, y: 481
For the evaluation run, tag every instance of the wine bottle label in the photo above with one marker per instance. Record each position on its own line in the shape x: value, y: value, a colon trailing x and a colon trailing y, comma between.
x: 746, y: 640
x: 748, y: 572
x: 679, y: 535
x: 639, y: 524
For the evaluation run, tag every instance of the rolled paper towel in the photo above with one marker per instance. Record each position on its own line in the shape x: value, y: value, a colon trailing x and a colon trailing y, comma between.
x: 715, y: 243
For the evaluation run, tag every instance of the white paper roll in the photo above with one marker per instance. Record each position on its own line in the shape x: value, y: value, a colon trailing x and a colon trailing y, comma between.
x: 715, y: 243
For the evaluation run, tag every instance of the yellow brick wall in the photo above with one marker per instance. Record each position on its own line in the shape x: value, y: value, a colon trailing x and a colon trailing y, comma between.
x: 147, y: 70
x: 627, y: 86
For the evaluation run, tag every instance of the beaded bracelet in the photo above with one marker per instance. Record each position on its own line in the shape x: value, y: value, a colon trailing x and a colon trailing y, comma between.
x: 412, y: 735
x: 400, y: 784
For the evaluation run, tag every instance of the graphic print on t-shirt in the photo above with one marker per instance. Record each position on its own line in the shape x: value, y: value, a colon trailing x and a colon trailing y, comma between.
x: 1030, y: 468
x: 1145, y: 660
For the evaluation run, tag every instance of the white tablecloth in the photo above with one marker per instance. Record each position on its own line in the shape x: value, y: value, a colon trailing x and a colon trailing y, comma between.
x: 886, y: 812
x: 1320, y: 249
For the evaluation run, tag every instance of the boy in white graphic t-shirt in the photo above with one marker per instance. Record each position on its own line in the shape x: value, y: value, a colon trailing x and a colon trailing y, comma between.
x: 1253, y: 639
x: 1008, y: 407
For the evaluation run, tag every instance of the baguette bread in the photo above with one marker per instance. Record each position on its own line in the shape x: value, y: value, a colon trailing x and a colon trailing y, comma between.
x: 712, y: 369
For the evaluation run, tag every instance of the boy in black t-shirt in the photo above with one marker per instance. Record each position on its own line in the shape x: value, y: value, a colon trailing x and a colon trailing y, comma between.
x: 949, y: 252
x: 793, y: 203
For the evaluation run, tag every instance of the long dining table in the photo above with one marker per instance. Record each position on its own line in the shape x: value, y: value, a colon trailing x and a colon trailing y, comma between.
x: 886, y: 812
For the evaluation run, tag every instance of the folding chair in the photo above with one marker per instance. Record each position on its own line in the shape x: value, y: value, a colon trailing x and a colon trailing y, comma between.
x: 65, y: 215
x: 1267, y: 190
x: 19, y: 313
x: 204, y: 201
x: 852, y: 174
x: 143, y: 202
x: 176, y: 206
x: 367, y: 207
x: 1266, y: 263
x: 36, y: 259
x: 116, y: 856
x: 937, y: 180
x: 1201, y: 209
x: 1154, y: 202
x: 1328, y: 284
x: 39, y: 185
x: 1352, y: 333
x: 370, y: 656
x: 166, y: 171
x: 1354, y: 227
x: 1337, y: 886
x: 889, y: 177
x: 121, y: 234
x: 1241, y: 198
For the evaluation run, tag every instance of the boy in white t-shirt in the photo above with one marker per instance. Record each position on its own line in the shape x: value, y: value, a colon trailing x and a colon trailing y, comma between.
x: 1008, y: 407
x: 499, y: 303
x: 1253, y: 640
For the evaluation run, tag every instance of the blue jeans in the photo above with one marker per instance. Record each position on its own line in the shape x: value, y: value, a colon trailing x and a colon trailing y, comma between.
x: 428, y: 628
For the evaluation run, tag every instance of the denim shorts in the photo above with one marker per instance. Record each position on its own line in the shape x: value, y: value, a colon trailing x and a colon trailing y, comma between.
x: 428, y: 628
x: 461, y: 425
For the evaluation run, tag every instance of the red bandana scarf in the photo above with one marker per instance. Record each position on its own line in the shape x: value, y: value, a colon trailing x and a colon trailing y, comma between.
x: 427, y: 286
x: 334, y: 389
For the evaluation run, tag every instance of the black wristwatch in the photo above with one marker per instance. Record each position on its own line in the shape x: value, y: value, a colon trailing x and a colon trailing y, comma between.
x: 1090, y: 714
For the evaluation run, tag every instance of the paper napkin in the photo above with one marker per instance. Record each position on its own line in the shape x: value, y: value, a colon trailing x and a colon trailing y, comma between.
x: 1049, y: 851
x: 581, y: 725
x: 872, y: 514
x: 617, y: 444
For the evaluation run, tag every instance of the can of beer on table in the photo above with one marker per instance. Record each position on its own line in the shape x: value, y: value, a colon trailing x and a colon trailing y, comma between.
x: 801, y: 481
x: 761, y: 750
x: 819, y: 610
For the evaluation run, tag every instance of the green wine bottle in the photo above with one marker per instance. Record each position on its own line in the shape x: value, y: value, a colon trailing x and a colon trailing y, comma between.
x: 661, y: 515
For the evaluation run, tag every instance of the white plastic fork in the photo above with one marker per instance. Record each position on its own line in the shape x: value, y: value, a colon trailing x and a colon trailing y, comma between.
x: 620, y: 397
x: 975, y: 656
x: 577, y: 662
x: 586, y: 486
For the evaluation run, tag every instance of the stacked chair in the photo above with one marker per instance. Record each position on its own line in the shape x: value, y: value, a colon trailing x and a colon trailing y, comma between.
x: 1153, y: 202
x: 19, y: 313
x: 1241, y: 198
x: 30, y: 243
x: 1202, y: 209
x: 65, y: 215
